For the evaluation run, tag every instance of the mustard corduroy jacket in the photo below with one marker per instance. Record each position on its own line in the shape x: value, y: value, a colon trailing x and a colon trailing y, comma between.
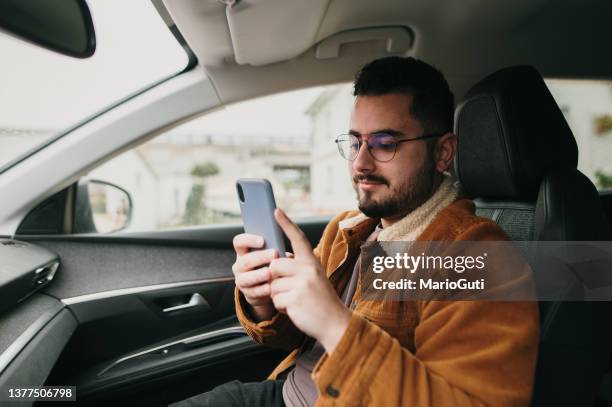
x: 415, y: 353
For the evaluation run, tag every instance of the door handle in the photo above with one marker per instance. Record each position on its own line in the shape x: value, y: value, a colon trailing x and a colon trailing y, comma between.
x: 196, y: 300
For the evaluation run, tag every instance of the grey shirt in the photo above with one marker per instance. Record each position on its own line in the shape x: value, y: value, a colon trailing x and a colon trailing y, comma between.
x: 299, y: 389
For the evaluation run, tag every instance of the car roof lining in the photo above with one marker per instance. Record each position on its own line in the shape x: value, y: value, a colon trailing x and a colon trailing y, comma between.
x: 256, y: 47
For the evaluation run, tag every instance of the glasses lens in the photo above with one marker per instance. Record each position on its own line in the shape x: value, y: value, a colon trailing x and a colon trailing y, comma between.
x: 348, y: 146
x: 382, y: 146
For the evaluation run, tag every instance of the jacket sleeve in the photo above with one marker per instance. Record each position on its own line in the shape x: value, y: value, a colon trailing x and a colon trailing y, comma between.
x: 280, y: 332
x: 466, y: 353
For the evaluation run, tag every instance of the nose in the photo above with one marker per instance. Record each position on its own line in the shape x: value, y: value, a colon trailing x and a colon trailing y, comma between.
x: 364, y: 162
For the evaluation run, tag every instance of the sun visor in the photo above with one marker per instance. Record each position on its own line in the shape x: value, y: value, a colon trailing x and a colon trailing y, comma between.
x: 269, y: 31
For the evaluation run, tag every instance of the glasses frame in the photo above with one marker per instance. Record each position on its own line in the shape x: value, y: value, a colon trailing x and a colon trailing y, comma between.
x: 397, y: 142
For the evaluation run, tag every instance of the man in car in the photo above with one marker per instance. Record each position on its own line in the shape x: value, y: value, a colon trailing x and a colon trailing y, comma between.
x: 349, y: 352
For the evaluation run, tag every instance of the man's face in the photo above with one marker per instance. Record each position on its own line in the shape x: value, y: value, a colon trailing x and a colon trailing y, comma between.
x: 395, y: 188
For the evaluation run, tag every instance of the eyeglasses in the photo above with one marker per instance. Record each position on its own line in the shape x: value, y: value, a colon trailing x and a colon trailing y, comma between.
x: 382, y: 146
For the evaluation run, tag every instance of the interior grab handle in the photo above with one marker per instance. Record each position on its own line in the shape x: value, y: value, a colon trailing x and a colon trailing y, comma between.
x: 196, y: 300
x: 398, y: 40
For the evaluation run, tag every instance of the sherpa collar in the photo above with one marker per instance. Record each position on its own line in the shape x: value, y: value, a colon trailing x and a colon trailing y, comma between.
x: 412, y: 225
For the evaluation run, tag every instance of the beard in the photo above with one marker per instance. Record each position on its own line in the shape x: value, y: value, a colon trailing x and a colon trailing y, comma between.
x: 405, y: 198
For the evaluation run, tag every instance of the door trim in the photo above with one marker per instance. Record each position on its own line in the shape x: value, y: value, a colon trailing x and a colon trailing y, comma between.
x: 137, y: 290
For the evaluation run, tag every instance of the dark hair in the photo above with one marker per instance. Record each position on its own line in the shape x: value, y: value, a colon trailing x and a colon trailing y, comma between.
x: 432, y: 101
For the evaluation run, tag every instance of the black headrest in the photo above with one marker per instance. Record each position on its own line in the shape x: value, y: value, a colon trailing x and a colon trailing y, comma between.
x: 510, y: 134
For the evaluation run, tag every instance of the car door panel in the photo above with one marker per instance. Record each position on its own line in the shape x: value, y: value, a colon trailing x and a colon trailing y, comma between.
x: 90, y: 267
x: 140, y: 331
x: 161, y: 362
x: 34, y: 333
x: 131, y: 321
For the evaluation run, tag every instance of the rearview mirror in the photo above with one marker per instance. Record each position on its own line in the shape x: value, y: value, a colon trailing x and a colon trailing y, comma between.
x: 63, y: 26
x: 101, y: 207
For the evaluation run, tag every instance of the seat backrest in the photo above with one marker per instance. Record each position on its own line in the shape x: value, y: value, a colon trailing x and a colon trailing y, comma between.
x: 575, y: 337
x: 517, y: 159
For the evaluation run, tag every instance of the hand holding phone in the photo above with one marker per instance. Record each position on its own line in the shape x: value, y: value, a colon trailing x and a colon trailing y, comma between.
x: 257, y: 206
x: 258, y: 247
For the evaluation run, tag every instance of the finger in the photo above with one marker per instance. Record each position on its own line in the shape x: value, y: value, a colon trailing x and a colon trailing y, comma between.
x: 245, y: 241
x: 289, y: 255
x: 301, y: 245
x: 257, y: 292
x: 283, y: 267
x: 253, y: 278
x: 282, y: 301
x: 280, y: 285
x: 253, y: 260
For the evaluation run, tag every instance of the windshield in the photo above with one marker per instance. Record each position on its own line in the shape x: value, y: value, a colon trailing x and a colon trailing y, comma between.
x: 44, y: 93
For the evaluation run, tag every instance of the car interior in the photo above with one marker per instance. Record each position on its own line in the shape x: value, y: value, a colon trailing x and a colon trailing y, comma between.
x: 148, y: 316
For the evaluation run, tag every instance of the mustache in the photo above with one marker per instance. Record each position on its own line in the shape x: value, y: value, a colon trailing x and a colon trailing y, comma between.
x: 370, y: 178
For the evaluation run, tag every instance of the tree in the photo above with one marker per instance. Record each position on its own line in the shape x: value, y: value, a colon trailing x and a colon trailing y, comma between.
x: 204, y: 170
x: 604, y: 180
x: 603, y: 124
x: 195, y: 208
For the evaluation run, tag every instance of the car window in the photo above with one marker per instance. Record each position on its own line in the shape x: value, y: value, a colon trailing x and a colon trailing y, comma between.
x: 587, y: 106
x: 44, y: 93
x: 186, y: 176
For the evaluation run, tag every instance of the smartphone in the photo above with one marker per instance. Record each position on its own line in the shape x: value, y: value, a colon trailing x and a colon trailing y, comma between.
x: 257, y: 206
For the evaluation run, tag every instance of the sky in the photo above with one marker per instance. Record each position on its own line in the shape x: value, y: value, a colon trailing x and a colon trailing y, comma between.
x: 42, y: 90
x: 277, y: 115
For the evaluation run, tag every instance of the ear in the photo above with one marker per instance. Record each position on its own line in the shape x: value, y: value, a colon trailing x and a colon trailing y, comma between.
x: 445, y: 152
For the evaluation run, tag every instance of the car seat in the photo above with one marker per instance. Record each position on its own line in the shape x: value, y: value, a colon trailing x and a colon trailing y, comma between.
x: 517, y: 159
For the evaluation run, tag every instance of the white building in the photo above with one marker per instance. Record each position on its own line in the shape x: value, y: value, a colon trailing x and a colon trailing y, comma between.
x: 330, y: 185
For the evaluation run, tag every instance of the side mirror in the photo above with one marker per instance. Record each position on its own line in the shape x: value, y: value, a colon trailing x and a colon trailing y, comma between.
x: 101, y: 207
x: 62, y: 26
